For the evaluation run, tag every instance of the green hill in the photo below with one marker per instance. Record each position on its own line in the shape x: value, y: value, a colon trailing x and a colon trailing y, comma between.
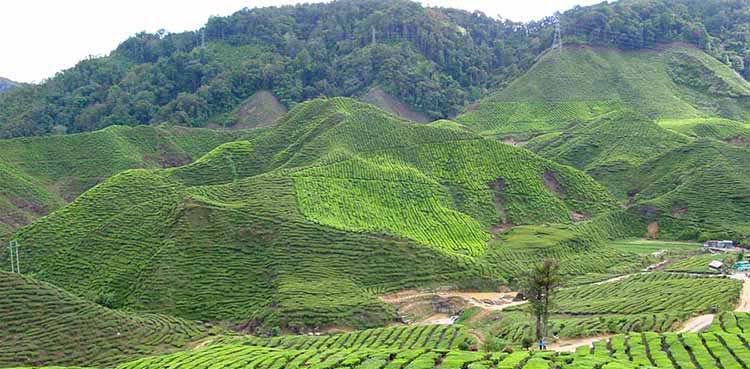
x: 43, y: 325
x: 305, y: 223
x: 643, y: 123
x: 582, y: 83
x: 41, y: 174
x: 609, y: 148
x: 696, y: 191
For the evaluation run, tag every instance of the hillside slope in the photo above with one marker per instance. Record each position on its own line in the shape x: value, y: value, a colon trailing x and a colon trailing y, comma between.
x: 41, y: 174
x: 696, y: 191
x: 582, y: 83
x: 43, y: 325
x: 339, y: 197
x: 646, y: 124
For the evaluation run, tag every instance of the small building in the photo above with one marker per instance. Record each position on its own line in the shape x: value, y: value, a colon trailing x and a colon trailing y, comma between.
x: 716, y: 265
x: 719, y: 245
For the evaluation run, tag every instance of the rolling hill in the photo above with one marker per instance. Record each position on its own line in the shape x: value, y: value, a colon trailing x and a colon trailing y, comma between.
x: 41, y: 174
x: 302, y: 225
x: 661, y: 129
x: 582, y: 83
x: 43, y: 325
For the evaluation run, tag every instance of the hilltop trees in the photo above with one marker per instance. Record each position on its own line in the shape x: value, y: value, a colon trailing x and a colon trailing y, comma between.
x: 435, y: 60
x: 539, y: 285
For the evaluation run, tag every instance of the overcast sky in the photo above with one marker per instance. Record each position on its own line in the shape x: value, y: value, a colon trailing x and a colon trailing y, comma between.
x: 39, y: 38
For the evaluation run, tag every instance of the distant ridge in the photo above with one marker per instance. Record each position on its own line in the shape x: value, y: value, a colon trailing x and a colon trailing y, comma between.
x: 7, y: 85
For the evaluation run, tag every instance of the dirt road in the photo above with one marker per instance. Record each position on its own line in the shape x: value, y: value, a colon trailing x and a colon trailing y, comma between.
x: 570, y: 345
x: 486, y: 300
x: 697, y: 324
x: 744, y: 305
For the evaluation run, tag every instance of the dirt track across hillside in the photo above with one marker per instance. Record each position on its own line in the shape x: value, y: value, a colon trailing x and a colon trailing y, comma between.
x: 485, y: 300
x: 570, y: 345
x: 697, y: 324
x: 744, y: 305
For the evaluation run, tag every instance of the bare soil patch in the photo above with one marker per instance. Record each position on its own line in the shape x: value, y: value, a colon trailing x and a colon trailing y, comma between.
x: 552, y: 184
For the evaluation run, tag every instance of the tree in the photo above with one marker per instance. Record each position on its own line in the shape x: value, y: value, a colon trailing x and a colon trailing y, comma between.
x: 539, y: 286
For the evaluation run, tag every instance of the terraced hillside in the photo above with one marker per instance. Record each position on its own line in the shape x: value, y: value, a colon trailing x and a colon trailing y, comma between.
x: 696, y: 191
x: 641, y: 350
x: 610, y: 147
x: 671, y: 350
x: 581, y: 83
x: 304, y: 224
x: 43, y: 325
x: 661, y: 129
x: 41, y: 174
x: 656, y: 302
x: 402, y: 337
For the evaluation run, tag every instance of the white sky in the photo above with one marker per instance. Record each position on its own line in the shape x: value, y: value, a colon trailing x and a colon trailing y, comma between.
x: 41, y: 37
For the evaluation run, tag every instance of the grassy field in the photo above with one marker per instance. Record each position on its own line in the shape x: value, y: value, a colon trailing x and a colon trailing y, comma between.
x: 43, y: 325
x: 640, y: 246
x: 337, y: 203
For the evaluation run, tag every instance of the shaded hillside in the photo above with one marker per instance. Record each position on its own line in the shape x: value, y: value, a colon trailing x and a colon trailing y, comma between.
x: 697, y: 191
x: 582, y: 83
x: 43, y: 325
x: 41, y: 174
x: 338, y: 198
x: 609, y: 147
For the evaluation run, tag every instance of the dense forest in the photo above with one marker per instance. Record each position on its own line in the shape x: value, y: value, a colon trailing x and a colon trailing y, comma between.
x: 435, y: 60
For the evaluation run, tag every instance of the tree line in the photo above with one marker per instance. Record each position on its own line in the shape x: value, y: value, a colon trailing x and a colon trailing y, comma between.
x: 435, y: 60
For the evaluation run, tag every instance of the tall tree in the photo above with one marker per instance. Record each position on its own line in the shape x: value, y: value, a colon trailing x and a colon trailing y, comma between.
x: 539, y: 286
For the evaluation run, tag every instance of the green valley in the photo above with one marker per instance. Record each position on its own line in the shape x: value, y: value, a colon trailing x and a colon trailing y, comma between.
x: 367, y: 184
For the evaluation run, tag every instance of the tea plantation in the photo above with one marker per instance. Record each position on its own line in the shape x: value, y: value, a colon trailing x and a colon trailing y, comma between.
x: 402, y: 337
x: 662, y: 129
x: 655, y: 302
x: 285, y: 238
x: 42, y: 324
x: 41, y: 174
x: 301, y: 226
x: 642, y: 350
x: 583, y: 83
